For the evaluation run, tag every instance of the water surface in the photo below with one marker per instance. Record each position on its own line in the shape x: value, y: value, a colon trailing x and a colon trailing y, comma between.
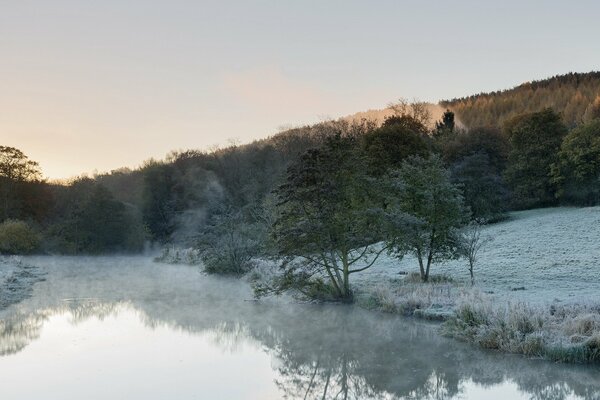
x: 127, y: 328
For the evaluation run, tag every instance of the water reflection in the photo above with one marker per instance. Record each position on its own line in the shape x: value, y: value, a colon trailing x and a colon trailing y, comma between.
x: 317, y: 352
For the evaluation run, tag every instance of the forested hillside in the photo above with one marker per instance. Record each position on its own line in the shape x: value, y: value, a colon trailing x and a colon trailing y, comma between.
x: 575, y: 95
x: 371, y: 177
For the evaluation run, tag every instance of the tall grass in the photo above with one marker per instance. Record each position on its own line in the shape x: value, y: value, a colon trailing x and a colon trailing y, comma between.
x: 559, y: 333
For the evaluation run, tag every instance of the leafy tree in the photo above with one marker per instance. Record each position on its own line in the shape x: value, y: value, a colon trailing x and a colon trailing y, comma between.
x: 424, y: 192
x: 18, y: 176
x: 577, y: 170
x: 536, y: 139
x: 17, y: 237
x: 90, y: 220
x: 397, y: 139
x: 16, y: 166
x: 158, y: 207
x: 483, y: 190
x: 488, y: 140
x: 327, y: 216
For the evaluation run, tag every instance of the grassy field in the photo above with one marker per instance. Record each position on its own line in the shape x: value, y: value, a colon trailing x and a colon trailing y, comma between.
x: 537, y: 256
x: 537, y: 288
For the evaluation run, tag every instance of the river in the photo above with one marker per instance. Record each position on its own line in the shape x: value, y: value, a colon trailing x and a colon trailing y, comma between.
x: 129, y: 328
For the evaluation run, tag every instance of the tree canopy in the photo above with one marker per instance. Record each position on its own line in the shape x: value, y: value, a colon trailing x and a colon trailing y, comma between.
x: 577, y: 170
x: 535, y: 141
x: 435, y: 210
x: 327, y: 214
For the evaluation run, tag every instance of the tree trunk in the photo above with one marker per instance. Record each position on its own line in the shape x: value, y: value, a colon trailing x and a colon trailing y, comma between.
x: 430, y: 254
x: 471, y: 267
x: 347, y: 295
x: 421, y: 267
x: 429, y: 259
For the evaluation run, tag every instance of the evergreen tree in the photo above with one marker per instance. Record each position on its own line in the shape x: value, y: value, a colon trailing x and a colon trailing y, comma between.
x: 445, y: 127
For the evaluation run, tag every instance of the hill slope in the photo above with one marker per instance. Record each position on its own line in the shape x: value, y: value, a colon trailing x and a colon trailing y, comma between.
x: 536, y: 256
x: 574, y: 95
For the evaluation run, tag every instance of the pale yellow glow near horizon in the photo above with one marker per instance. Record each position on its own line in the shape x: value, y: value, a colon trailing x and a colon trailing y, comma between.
x: 95, y: 86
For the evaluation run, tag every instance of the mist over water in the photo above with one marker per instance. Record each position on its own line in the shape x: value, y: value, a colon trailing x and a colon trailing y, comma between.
x: 125, y: 327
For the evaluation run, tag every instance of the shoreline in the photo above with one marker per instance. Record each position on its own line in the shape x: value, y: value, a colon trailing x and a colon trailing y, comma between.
x: 17, y: 280
x: 566, y: 332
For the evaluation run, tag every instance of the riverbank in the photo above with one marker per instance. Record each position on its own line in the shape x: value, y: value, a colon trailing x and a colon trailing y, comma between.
x: 537, y: 289
x: 17, y: 279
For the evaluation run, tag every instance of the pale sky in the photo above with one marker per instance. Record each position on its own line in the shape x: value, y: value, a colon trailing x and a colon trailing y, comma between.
x: 96, y: 85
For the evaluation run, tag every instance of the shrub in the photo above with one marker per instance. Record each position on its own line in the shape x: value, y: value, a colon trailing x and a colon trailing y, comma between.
x: 229, y: 243
x: 17, y: 237
x: 175, y: 255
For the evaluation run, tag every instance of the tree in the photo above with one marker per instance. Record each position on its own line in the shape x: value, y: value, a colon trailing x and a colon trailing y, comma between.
x: 16, y: 166
x: 417, y: 110
x: 228, y: 242
x: 327, y: 216
x: 17, y: 237
x: 89, y: 220
x: 18, y: 174
x: 483, y: 190
x: 445, y: 127
x: 486, y: 140
x: 424, y: 192
x: 593, y: 110
x: 158, y: 206
x: 397, y: 139
x: 577, y: 170
x: 536, y: 139
x: 573, y: 94
x: 471, y: 242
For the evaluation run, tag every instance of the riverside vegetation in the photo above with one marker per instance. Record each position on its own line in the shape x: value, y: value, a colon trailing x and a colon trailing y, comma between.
x: 325, y: 202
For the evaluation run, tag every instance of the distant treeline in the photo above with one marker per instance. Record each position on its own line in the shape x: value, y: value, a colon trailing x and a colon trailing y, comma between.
x: 226, y: 202
x: 575, y: 95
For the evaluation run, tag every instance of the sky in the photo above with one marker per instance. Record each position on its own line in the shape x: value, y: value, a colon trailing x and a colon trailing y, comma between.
x: 96, y: 85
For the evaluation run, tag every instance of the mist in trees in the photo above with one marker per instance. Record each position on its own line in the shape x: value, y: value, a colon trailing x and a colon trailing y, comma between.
x: 344, y: 186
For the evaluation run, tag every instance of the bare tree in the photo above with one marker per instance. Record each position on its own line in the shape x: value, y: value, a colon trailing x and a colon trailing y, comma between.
x: 418, y: 110
x: 471, y: 241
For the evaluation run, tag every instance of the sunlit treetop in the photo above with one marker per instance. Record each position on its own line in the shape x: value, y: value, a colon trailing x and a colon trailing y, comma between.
x: 15, y: 165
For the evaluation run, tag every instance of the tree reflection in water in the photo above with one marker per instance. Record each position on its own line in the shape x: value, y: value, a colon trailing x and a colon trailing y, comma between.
x: 317, y: 352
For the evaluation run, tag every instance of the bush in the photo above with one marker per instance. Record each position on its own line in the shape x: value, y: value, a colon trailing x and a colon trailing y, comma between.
x: 229, y: 244
x: 17, y: 237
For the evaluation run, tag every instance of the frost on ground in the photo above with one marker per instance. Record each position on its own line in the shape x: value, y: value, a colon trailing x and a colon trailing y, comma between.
x: 560, y: 333
x: 537, y: 287
x: 16, y: 280
x: 536, y: 256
